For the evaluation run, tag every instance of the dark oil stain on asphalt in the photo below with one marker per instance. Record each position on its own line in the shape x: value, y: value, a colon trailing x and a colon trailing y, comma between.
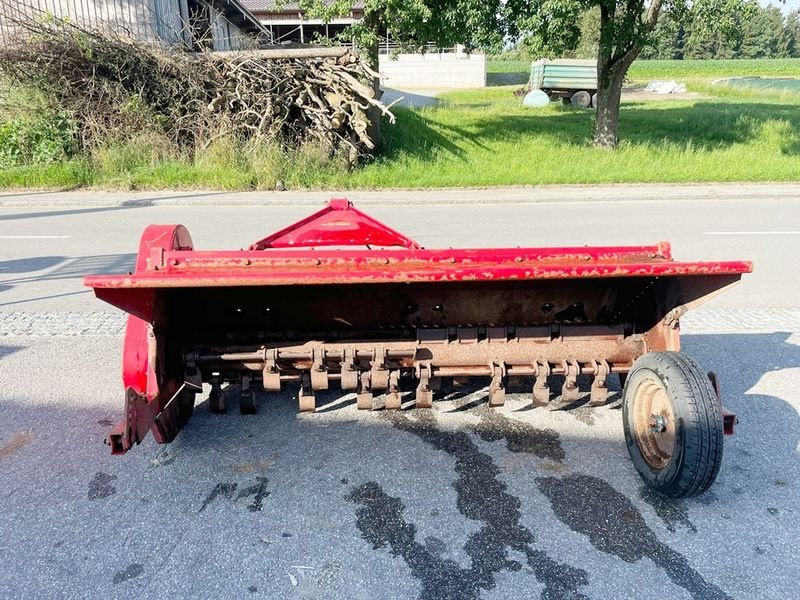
x: 258, y: 491
x: 100, y: 486
x: 518, y: 435
x: 482, y: 497
x: 225, y: 490
x: 672, y: 511
x: 592, y: 507
x: 129, y: 572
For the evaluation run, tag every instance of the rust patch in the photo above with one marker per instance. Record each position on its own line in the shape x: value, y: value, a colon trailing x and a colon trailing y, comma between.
x: 261, y: 466
x: 17, y: 442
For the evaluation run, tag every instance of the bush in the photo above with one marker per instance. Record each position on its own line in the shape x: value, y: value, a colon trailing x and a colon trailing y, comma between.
x: 46, y: 139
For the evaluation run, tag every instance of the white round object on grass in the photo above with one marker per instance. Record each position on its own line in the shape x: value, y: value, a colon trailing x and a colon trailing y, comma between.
x: 536, y: 99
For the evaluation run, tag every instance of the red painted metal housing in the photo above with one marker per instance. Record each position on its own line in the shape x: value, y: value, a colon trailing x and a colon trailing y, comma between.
x: 341, y: 275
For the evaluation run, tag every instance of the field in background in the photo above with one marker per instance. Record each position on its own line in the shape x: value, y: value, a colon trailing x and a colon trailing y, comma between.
x: 486, y: 138
x: 516, y: 71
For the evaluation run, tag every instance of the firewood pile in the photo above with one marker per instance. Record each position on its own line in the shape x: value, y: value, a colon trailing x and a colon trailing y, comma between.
x: 112, y: 86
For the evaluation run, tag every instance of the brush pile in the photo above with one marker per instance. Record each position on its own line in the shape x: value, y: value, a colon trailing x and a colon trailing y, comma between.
x: 113, y: 86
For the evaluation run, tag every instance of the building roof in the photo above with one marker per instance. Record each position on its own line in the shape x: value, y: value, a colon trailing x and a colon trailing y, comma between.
x: 274, y: 6
x: 238, y: 13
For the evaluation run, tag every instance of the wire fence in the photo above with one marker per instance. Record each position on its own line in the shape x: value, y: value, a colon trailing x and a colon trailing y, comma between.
x: 171, y: 22
x: 388, y: 46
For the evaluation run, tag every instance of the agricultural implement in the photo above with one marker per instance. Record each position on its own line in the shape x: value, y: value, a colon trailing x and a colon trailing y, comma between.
x: 340, y: 299
x: 572, y: 80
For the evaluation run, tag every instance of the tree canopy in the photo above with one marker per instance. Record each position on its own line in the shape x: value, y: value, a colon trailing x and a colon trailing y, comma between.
x: 414, y: 23
x: 623, y: 30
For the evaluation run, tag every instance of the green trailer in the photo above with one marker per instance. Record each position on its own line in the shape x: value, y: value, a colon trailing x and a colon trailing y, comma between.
x: 572, y: 80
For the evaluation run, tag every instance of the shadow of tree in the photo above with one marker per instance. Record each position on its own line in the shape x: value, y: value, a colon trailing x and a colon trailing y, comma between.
x: 414, y: 135
x: 27, y: 265
x: 62, y: 268
x: 705, y: 125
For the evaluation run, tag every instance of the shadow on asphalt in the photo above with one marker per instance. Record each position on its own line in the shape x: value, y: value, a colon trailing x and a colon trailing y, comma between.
x: 121, y: 205
x: 60, y: 267
x: 348, y: 473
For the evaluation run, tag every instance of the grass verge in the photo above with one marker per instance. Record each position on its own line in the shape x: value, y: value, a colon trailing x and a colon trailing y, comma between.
x: 483, y: 138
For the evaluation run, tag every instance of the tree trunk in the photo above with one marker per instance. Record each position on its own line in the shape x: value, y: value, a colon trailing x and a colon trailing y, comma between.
x: 614, y: 58
x: 609, y: 92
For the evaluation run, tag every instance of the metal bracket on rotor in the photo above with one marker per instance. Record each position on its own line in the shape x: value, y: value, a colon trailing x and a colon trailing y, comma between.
x: 570, y: 390
x: 271, y: 375
x: 541, y: 389
x: 393, y: 399
x: 379, y: 374
x: 305, y: 395
x: 424, y: 391
x: 319, y: 374
x: 364, y: 395
x: 599, y: 392
x: 349, y: 374
x: 497, y: 387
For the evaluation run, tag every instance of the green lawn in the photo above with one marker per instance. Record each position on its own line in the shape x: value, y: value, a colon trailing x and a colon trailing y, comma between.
x: 486, y: 138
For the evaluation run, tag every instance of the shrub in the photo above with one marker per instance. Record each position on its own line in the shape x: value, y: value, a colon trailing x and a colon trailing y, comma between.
x: 45, y: 139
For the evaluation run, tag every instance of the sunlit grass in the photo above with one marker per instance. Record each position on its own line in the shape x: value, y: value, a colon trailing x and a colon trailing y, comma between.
x: 483, y: 138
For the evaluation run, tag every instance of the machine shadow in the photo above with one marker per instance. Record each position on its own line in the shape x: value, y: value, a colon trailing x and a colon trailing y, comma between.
x: 762, y: 452
x: 254, y: 471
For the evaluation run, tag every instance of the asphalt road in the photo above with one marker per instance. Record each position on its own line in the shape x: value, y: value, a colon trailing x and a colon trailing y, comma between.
x: 456, y: 502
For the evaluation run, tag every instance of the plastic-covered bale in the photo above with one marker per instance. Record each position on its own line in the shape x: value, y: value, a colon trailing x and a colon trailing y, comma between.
x: 536, y: 99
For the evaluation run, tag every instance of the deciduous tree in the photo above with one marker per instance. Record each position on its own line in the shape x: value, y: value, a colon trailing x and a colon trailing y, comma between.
x: 626, y: 28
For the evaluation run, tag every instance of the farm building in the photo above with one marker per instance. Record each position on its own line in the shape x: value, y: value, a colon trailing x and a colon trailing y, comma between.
x: 287, y: 22
x: 194, y: 24
x: 435, y: 67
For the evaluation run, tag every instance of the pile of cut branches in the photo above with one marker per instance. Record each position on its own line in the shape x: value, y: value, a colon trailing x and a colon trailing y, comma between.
x: 114, y: 86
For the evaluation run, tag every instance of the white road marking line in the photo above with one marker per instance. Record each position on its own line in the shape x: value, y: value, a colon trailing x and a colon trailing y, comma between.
x: 34, y: 237
x: 751, y: 233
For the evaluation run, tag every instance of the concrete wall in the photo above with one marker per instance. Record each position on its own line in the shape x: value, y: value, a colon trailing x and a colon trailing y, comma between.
x: 447, y: 70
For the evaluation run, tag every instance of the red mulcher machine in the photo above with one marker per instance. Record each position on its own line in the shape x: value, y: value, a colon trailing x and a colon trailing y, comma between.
x: 339, y: 298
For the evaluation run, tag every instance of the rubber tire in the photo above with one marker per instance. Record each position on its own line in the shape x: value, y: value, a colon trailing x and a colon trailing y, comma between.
x: 697, y: 457
x: 594, y: 100
x: 581, y: 99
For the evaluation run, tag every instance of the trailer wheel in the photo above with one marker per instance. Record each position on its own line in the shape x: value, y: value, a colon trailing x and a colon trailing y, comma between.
x: 581, y: 99
x: 594, y: 100
x: 673, y: 424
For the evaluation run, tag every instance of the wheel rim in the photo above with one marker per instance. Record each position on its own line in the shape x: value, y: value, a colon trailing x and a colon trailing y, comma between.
x: 654, y: 423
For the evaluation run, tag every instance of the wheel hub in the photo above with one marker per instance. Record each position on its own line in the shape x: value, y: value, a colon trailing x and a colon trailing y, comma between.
x: 654, y: 423
x: 657, y: 423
